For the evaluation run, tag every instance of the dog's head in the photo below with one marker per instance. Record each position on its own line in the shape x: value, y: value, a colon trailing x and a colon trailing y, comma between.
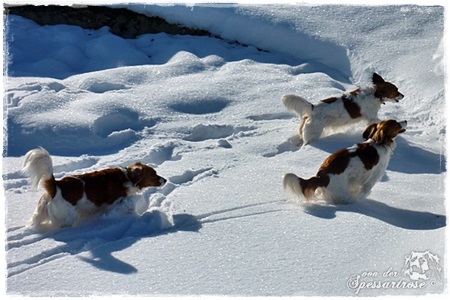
x: 144, y: 176
x: 383, y: 133
x: 385, y: 91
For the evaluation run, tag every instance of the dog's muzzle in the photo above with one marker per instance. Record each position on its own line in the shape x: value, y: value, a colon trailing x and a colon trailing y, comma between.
x: 399, y: 97
x: 162, y: 181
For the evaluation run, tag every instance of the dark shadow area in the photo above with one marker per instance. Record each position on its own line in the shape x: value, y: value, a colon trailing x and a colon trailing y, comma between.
x: 399, y: 217
x: 145, y: 226
x: 95, y: 240
x: 122, y: 22
x: 67, y: 140
x: 416, y: 160
x: 100, y: 238
x: 201, y: 107
x: 103, y: 259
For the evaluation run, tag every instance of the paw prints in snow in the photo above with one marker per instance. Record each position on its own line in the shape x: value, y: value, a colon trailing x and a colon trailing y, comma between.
x: 119, y: 120
x: 202, y: 132
x: 200, y: 107
x: 100, y: 85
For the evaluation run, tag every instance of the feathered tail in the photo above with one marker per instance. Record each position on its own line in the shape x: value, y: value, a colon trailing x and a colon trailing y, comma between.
x: 304, y: 188
x: 297, y: 104
x: 39, y: 167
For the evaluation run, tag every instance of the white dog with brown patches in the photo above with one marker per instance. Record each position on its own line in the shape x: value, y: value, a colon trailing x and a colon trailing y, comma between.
x: 360, y: 104
x: 350, y: 173
x: 68, y: 198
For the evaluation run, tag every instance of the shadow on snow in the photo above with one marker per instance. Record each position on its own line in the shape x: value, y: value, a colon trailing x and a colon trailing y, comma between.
x: 95, y: 240
x: 399, y: 217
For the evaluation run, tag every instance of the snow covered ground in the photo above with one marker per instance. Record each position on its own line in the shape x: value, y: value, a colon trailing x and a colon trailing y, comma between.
x: 206, y: 113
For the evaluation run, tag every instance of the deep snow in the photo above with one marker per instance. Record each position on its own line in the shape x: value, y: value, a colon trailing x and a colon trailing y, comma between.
x: 207, y: 114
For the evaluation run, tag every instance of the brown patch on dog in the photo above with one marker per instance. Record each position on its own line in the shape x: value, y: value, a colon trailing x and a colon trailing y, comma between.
x: 368, y: 155
x: 351, y: 107
x: 105, y: 187
x: 309, y: 186
x: 50, y: 186
x: 336, y: 163
x: 330, y: 100
x: 71, y: 189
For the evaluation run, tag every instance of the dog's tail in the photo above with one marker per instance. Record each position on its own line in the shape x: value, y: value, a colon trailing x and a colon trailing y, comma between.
x: 297, y: 104
x: 40, y: 215
x: 39, y: 168
x: 304, y: 188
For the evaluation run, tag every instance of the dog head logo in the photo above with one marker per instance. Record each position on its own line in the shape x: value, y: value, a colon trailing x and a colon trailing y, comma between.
x: 422, y: 265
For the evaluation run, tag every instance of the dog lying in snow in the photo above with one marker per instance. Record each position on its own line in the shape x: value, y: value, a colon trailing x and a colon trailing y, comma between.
x: 360, y: 104
x: 66, y: 199
x: 350, y: 173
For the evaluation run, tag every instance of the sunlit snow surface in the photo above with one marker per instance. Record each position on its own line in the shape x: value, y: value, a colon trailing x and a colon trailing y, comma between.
x: 206, y: 113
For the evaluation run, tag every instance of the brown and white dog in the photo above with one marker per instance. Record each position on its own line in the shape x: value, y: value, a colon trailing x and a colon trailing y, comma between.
x: 67, y: 199
x: 350, y: 173
x: 332, y: 113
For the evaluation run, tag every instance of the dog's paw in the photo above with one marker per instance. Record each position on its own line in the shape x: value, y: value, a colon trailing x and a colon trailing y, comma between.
x: 296, y: 140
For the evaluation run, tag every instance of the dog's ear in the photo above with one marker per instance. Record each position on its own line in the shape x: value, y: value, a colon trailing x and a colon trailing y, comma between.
x: 370, y: 130
x: 135, y: 172
x: 381, y: 137
x: 377, y: 79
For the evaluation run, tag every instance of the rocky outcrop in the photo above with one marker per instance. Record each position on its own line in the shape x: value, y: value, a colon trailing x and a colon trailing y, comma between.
x: 121, y: 21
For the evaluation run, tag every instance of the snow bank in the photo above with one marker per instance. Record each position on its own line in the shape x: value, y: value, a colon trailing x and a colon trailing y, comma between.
x: 249, y: 26
x: 61, y: 51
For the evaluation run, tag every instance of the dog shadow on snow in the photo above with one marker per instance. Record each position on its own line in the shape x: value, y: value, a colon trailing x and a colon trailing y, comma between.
x: 96, y: 240
x: 398, y: 217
